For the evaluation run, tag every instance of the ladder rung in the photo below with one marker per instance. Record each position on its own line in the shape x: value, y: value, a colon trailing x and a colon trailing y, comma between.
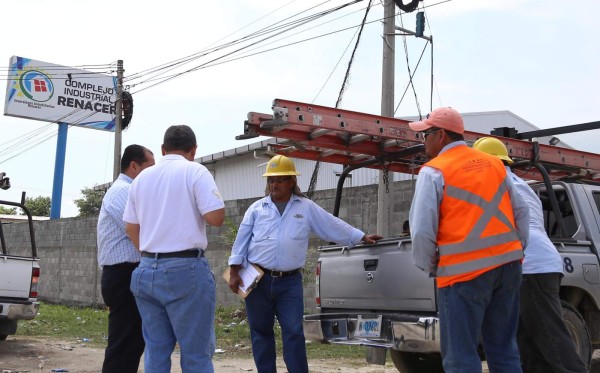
x: 356, y: 138
x: 361, y: 157
x: 327, y: 153
x: 318, y: 133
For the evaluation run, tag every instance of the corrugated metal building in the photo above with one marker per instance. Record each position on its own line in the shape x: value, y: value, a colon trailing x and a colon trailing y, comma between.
x: 238, y: 172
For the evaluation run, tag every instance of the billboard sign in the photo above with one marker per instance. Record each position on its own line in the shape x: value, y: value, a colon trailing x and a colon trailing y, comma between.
x: 54, y: 93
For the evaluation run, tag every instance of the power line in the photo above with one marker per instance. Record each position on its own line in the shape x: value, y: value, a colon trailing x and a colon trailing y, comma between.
x: 347, y: 76
x: 284, y: 29
x: 410, y: 75
x: 216, y: 61
x: 315, y: 174
x: 410, y: 79
x: 189, y: 58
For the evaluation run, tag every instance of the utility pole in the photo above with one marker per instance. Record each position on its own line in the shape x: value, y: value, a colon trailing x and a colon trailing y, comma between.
x: 118, y: 120
x: 384, y: 208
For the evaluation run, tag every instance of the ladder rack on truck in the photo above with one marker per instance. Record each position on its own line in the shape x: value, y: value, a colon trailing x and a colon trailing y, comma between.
x: 379, y: 284
x: 351, y: 138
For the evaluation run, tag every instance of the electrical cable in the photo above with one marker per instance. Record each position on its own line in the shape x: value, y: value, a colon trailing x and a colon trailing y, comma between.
x: 410, y: 78
x: 308, y: 29
x: 315, y: 174
x: 347, y: 76
x: 258, y: 33
x: 33, y: 143
x: 410, y: 75
x: 335, y: 67
x: 215, y: 62
x: 284, y: 28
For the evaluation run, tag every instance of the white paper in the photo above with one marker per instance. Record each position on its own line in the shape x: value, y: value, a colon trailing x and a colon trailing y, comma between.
x: 248, y: 275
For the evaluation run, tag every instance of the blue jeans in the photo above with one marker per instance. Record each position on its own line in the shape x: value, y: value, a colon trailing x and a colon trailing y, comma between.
x: 176, y: 299
x: 486, y: 307
x: 280, y: 297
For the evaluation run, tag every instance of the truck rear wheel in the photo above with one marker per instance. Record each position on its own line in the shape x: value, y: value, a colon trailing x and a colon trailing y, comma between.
x: 3, y: 337
x: 414, y: 362
x: 579, y: 332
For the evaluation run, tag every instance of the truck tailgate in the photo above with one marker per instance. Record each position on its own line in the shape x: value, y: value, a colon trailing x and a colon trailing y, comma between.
x: 374, y: 277
x: 15, y: 276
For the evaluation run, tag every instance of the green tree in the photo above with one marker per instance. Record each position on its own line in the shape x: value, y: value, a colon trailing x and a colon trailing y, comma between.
x: 91, y: 202
x: 8, y: 211
x: 38, y: 206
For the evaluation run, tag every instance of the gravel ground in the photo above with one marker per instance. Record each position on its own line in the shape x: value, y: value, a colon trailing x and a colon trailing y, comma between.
x: 20, y: 354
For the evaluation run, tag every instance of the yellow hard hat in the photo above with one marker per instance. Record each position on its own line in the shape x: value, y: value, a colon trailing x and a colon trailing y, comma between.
x: 493, y: 146
x: 280, y: 165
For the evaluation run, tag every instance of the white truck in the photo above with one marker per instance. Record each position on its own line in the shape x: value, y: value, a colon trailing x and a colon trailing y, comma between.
x: 19, y: 275
x: 373, y: 295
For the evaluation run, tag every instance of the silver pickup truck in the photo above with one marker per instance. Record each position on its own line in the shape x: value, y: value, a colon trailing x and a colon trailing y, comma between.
x: 374, y: 296
x: 19, y: 275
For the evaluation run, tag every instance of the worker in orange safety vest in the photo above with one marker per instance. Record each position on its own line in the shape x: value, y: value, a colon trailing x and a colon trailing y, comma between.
x: 468, y: 230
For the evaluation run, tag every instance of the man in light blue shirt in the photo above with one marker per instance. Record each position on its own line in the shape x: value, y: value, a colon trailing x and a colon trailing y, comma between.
x: 118, y: 258
x: 274, y: 235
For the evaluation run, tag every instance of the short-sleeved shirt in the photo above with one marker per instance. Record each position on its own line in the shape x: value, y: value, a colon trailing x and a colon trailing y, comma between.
x: 114, y: 246
x: 168, y: 200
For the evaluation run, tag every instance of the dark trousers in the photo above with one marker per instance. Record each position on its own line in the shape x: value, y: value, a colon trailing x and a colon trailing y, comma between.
x: 125, y: 339
x: 545, y: 344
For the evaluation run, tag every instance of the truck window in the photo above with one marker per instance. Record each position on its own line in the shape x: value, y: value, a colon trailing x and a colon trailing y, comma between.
x: 566, y: 210
x: 597, y: 200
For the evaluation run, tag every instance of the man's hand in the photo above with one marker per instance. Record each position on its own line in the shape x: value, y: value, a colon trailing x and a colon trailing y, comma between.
x: 371, y: 238
x: 234, y: 278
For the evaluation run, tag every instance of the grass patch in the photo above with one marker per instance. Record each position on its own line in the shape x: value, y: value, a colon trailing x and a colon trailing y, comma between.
x: 90, y: 325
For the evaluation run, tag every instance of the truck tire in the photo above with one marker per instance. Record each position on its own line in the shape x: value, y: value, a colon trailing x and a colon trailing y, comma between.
x: 414, y: 362
x: 3, y: 337
x: 579, y: 332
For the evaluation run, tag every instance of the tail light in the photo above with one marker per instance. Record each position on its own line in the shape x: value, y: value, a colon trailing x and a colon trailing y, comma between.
x: 317, y: 284
x: 35, y: 278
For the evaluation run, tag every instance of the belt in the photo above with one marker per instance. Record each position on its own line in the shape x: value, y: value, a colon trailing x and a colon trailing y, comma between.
x: 279, y: 273
x: 191, y: 253
x: 122, y: 265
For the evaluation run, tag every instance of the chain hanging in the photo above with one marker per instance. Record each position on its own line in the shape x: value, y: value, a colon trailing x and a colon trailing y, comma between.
x: 386, y: 177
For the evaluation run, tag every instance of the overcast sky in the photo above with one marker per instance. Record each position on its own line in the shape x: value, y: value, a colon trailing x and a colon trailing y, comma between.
x: 537, y: 58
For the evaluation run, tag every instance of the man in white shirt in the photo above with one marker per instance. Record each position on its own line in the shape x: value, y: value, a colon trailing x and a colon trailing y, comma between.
x: 166, y: 214
x: 545, y: 343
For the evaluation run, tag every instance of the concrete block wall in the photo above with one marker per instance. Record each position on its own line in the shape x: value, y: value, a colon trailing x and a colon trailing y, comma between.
x: 68, y: 253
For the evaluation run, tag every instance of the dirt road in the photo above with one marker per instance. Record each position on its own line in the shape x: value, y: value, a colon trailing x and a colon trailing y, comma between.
x: 28, y: 355
x: 20, y: 354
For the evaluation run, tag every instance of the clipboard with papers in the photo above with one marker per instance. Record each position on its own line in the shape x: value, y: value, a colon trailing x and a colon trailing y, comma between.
x: 250, y: 275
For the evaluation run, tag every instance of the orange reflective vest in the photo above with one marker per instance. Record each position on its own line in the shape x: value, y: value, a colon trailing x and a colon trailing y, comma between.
x: 476, y: 230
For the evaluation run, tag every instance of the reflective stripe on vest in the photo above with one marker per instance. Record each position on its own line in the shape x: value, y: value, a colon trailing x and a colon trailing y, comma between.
x: 474, y: 241
x: 469, y: 242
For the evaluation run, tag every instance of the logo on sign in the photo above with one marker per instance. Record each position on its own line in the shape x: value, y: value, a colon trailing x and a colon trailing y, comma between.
x: 36, y: 85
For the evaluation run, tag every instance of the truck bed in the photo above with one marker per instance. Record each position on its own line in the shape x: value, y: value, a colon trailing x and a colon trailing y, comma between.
x: 378, y: 277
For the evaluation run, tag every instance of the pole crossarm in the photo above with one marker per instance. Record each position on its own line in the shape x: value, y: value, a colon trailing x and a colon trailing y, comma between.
x: 350, y: 138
